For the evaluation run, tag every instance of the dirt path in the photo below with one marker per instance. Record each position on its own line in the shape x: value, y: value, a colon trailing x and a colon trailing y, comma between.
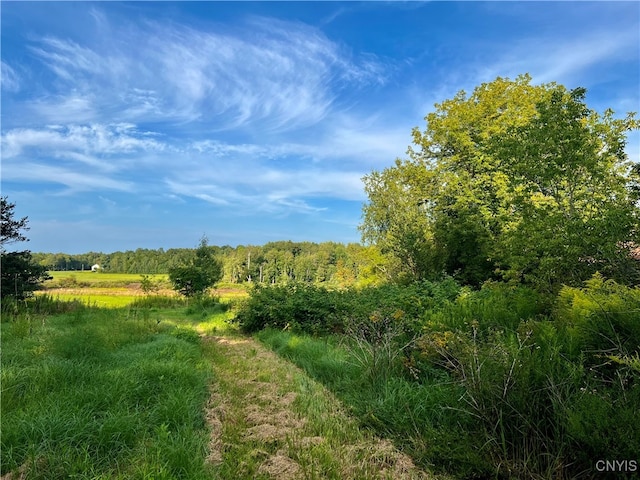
x: 269, y: 420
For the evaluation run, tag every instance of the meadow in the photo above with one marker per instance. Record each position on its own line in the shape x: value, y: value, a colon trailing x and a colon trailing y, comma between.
x: 102, y: 393
x: 429, y: 380
x: 166, y: 388
x: 117, y: 290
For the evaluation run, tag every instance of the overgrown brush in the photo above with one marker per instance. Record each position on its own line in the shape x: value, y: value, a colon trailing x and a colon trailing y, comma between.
x: 526, y: 388
x: 44, y: 304
x: 542, y: 386
x: 299, y: 307
x: 317, y: 310
x: 423, y: 419
x: 378, y: 344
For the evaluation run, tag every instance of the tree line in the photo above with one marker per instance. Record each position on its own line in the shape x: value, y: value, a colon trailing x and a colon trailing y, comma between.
x: 272, y: 263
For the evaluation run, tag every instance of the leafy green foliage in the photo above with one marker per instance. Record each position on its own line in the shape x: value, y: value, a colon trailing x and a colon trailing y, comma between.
x: 10, y: 228
x: 297, y: 306
x: 19, y: 274
x: 147, y: 285
x: 603, y: 317
x: 515, y: 181
x: 503, y: 382
x: 201, y: 272
x: 317, y: 310
x: 328, y: 263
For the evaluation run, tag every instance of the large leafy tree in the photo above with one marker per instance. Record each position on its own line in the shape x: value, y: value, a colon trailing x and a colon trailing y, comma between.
x: 197, y: 274
x: 515, y: 181
x: 19, y: 274
x: 571, y: 211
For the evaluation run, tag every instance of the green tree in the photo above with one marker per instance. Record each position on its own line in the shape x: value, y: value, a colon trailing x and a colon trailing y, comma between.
x: 147, y: 285
x: 199, y: 273
x: 571, y: 211
x: 514, y: 181
x: 20, y: 275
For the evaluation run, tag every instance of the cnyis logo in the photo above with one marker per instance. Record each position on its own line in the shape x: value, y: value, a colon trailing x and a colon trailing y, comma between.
x: 626, y: 466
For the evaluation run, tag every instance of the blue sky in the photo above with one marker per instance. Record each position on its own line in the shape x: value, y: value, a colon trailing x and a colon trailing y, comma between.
x: 146, y: 125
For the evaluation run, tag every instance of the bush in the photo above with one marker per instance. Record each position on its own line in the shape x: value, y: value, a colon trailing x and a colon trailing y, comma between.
x: 503, y: 382
x: 604, y: 317
x: 542, y: 385
x: 495, y: 306
x: 317, y: 310
x: 300, y: 307
x: 517, y: 385
x: 377, y: 345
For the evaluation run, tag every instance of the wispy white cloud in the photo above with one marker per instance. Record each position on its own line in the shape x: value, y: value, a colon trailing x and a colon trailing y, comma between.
x: 10, y: 78
x: 66, y: 58
x: 74, y: 180
x: 78, y: 157
x: 258, y: 117
x: 70, y: 107
x: 280, y: 75
x: 563, y: 59
x: 271, y: 190
x: 272, y: 176
x: 77, y: 141
x: 356, y: 143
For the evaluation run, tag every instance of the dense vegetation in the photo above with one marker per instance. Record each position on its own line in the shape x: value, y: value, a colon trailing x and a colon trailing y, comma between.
x: 515, y: 182
x: 275, y: 262
x: 502, y: 381
x: 101, y: 393
x: 20, y: 274
x: 201, y: 272
x: 525, y: 361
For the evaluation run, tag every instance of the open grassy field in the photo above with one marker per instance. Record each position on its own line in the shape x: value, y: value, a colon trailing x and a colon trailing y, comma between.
x: 115, y: 290
x: 164, y: 390
x: 102, y: 393
x: 495, y: 383
x: 100, y: 278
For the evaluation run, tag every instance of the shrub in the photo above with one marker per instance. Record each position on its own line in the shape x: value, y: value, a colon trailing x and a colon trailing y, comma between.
x: 495, y: 306
x: 377, y: 344
x: 490, y: 383
x: 603, y: 316
x: 317, y: 310
x: 300, y: 307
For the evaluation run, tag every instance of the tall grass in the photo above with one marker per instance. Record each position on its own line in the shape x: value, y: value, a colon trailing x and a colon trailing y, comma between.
x: 98, y: 394
x: 501, y: 382
x: 425, y: 419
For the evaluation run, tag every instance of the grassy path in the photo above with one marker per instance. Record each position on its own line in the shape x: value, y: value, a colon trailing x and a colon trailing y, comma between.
x: 268, y: 419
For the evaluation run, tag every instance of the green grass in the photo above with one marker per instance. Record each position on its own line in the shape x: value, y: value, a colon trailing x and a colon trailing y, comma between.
x: 494, y: 384
x: 425, y: 420
x: 275, y: 414
x: 98, y: 393
x: 124, y: 393
x: 97, y: 300
x: 97, y: 278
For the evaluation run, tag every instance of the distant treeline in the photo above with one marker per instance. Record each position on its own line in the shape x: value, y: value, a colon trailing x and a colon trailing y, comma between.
x: 275, y: 262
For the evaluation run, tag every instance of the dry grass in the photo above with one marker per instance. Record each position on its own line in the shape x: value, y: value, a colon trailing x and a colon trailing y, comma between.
x: 269, y: 420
